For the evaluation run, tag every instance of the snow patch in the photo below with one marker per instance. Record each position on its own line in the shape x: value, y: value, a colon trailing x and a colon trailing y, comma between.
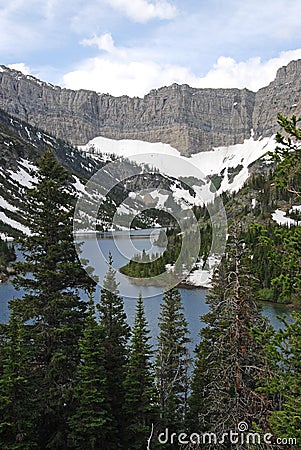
x: 202, y: 277
x: 14, y: 223
x: 79, y: 186
x: 6, y: 238
x: 295, y: 208
x: 5, y: 205
x: 22, y: 176
x: 201, y: 165
x: 182, y: 197
x: 281, y: 219
x: 159, y: 198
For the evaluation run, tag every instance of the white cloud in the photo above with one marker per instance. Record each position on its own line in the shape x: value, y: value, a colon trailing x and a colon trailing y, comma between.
x: 142, y: 10
x: 252, y: 74
x: 133, y: 78
x: 123, y: 71
x: 133, y: 71
x: 103, y: 42
x: 21, y: 67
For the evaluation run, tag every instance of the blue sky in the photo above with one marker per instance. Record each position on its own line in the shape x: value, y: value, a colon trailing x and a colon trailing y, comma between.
x: 132, y: 46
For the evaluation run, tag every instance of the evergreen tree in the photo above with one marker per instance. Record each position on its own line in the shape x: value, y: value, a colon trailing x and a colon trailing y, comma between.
x: 17, y: 395
x: 140, y: 398
x: 116, y: 333
x: 285, y: 348
x: 230, y: 359
x: 198, y: 415
x: 288, y: 155
x: 90, y: 422
x: 284, y: 353
x: 52, y: 297
x: 172, y: 362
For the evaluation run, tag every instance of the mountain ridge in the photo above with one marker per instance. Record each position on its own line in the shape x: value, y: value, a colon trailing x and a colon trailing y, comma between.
x: 189, y: 119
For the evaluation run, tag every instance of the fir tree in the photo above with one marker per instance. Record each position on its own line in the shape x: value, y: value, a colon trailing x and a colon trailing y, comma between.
x: 116, y: 333
x: 284, y: 352
x: 285, y: 347
x: 172, y: 362
x: 90, y: 422
x: 52, y: 297
x: 17, y: 394
x: 140, y: 398
x: 288, y: 155
x: 231, y: 361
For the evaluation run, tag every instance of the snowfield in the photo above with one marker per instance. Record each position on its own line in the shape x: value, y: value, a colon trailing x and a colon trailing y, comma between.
x: 201, y: 165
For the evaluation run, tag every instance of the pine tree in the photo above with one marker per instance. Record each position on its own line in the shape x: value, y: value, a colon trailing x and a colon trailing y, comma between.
x: 284, y: 352
x: 285, y: 347
x: 172, y: 362
x: 52, y: 301
x: 288, y: 155
x: 231, y: 361
x: 116, y: 333
x: 90, y: 422
x: 198, y: 415
x: 140, y: 398
x: 17, y: 395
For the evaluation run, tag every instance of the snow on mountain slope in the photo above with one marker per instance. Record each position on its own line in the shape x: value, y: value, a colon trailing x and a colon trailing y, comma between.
x: 12, y: 184
x: 23, y: 176
x: 13, y: 223
x: 281, y: 218
x: 220, y: 161
x: 11, y: 199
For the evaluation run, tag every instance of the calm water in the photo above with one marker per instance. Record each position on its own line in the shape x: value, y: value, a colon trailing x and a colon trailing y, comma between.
x: 122, y: 249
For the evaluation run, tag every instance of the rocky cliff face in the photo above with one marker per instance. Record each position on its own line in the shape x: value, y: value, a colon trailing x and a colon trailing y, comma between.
x: 282, y: 96
x: 189, y: 119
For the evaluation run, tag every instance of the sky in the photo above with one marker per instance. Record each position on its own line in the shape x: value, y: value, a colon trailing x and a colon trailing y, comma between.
x: 128, y: 47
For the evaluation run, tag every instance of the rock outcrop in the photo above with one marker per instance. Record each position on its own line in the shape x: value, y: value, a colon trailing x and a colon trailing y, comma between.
x: 189, y: 119
x: 282, y: 96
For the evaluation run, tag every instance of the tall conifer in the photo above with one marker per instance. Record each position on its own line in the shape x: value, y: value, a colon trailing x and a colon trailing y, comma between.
x: 17, y: 394
x: 172, y: 362
x: 140, y: 398
x: 284, y: 352
x: 231, y: 362
x: 116, y: 333
x: 52, y: 277
x: 90, y: 421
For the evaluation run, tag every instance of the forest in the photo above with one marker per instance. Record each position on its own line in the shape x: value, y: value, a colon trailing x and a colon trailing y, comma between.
x: 74, y: 375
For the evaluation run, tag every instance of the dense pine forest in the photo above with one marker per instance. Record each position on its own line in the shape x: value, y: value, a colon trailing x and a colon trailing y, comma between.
x: 74, y: 375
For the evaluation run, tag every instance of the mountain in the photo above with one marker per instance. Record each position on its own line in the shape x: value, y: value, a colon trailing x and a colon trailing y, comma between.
x: 21, y: 145
x: 189, y: 119
x: 223, y: 133
x: 182, y: 150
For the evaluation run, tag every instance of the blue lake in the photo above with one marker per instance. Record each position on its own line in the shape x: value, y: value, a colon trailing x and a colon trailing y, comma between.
x: 194, y: 300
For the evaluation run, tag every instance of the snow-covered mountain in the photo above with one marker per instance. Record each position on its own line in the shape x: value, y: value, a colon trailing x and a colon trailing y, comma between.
x: 225, y: 169
x: 166, y: 180
x: 21, y: 145
x: 189, y: 119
